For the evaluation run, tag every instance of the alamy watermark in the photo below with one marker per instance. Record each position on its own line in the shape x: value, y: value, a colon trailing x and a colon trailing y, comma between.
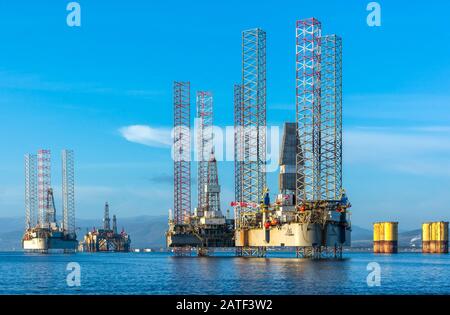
x: 374, y: 17
x: 74, y: 16
x: 374, y: 277
x: 73, y: 278
x: 222, y: 139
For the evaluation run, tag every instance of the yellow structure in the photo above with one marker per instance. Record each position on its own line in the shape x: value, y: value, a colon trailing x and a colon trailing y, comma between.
x: 435, y: 237
x: 385, y: 237
x: 376, y: 237
x: 426, y: 236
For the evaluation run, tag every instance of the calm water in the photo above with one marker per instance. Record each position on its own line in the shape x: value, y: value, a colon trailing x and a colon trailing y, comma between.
x: 159, y: 273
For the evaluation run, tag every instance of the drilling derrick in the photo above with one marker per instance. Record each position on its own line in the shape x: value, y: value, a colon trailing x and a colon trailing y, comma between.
x: 106, y: 219
x: 204, y: 143
x: 50, y: 208
x: 30, y: 191
x: 212, y: 226
x: 212, y: 188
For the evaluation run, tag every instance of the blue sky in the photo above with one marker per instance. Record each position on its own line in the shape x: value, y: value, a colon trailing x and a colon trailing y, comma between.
x: 63, y: 87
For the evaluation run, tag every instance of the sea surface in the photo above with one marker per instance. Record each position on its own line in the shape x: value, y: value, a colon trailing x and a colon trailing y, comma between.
x: 279, y: 273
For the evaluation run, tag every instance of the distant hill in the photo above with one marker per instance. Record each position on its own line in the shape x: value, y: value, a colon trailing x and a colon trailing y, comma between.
x: 148, y: 232
x: 410, y: 238
x: 11, y: 224
x: 364, y: 238
x: 11, y: 230
x: 145, y: 231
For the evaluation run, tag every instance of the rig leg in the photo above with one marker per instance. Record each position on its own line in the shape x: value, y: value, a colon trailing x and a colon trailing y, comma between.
x: 204, y: 251
x: 182, y: 251
x: 307, y: 252
x: 251, y: 251
x: 262, y: 251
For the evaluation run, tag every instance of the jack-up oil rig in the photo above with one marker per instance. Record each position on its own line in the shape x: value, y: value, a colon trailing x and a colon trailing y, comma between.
x: 310, y: 213
x: 42, y: 231
x: 107, y: 239
x: 207, y: 228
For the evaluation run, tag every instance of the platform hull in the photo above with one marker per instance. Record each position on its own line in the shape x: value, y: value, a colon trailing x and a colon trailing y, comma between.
x: 182, y: 240
x: 201, y: 235
x: 35, y: 244
x: 294, y: 235
x: 44, y: 244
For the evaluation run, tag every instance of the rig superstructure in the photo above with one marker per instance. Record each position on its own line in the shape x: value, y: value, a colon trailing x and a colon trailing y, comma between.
x: 43, y: 233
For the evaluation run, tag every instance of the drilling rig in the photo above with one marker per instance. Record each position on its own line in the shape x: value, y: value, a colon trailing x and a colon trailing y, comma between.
x: 310, y: 212
x: 206, y: 228
x: 43, y: 233
x: 107, y: 239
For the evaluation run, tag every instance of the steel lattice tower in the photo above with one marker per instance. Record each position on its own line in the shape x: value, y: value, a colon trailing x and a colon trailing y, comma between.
x: 31, y: 199
x: 308, y: 109
x: 319, y: 113
x: 252, y: 144
x: 238, y: 147
x: 204, y: 143
x: 331, y: 132
x: 44, y: 184
x: 68, y: 191
x: 182, y: 152
x: 213, y: 188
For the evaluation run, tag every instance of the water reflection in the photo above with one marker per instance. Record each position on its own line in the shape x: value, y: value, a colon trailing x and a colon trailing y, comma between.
x: 159, y: 273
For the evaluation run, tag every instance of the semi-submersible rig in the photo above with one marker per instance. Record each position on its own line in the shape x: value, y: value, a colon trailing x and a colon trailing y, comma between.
x: 107, y: 238
x: 311, y: 212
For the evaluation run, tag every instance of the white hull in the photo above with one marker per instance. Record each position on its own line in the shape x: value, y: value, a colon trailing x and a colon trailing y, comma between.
x: 46, y: 244
x: 294, y: 235
x: 35, y: 244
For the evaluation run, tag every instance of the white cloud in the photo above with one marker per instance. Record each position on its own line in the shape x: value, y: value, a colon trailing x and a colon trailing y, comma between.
x: 153, y: 137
